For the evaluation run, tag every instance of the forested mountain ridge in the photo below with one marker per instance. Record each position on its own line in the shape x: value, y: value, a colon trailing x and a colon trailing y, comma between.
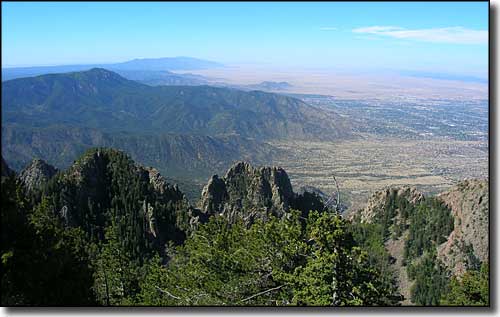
x: 105, y: 186
x: 433, y: 238
x: 176, y: 155
x: 188, y: 133
x: 118, y: 234
x: 89, y: 229
x: 101, y: 99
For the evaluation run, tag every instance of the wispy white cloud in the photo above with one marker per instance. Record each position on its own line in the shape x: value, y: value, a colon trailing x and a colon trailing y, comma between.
x: 328, y: 28
x: 455, y: 35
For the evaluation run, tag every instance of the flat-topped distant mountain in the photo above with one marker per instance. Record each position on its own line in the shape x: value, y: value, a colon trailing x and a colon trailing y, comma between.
x: 104, y: 100
x: 166, y: 63
x: 149, y: 64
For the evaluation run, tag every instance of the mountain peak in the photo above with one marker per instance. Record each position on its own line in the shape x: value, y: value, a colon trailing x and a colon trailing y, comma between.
x: 100, y: 70
x: 102, y: 74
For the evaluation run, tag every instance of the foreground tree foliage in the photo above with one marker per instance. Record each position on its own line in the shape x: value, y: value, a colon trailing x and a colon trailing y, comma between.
x: 471, y: 289
x: 289, y: 261
x: 105, y: 233
x: 116, y: 273
x: 371, y: 237
x: 281, y: 262
x: 42, y: 262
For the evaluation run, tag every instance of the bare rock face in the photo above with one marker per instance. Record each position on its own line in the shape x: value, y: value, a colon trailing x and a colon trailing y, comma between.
x: 248, y: 193
x: 469, y: 203
x: 214, y: 195
x: 35, y: 175
x: 166, y: 192
x: 377, y: 202
x: 155, y: 178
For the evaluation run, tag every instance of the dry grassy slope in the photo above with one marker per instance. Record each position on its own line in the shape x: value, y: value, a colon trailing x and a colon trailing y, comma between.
x: 469, y: 203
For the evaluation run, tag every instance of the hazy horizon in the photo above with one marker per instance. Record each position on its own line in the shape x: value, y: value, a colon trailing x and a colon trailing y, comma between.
x: 449, y: 37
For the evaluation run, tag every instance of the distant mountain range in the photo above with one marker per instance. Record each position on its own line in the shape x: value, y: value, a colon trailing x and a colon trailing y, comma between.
x: 443, y: 76
x: 104, y: 100
x: 152, y: 71
x: 189, y: 132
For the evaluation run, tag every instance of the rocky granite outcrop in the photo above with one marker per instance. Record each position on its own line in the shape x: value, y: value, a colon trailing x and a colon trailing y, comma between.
x: 379, y: 200
x: 159, y: 183
x: 36, y: 174
x: 248, y: 193
x: 469, y: 203
x: 214, y: 195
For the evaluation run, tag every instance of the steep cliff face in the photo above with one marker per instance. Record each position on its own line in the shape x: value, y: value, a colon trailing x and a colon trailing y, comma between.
x: 469, y: 203
x: 36, y: 174
x: 248, y: 193
x: 214, y: 195
x: 168, y: 195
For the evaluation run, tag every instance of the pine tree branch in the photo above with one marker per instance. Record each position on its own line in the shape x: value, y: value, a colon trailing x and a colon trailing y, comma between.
x: 263, y: 292
x: 167, y: 292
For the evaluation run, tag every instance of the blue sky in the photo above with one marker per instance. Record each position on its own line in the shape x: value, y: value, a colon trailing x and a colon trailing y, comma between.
x: 428, y: 36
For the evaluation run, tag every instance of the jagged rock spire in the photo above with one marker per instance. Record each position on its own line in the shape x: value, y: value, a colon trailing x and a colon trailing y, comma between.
x: 36, y: 174
x: 248, y: 193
